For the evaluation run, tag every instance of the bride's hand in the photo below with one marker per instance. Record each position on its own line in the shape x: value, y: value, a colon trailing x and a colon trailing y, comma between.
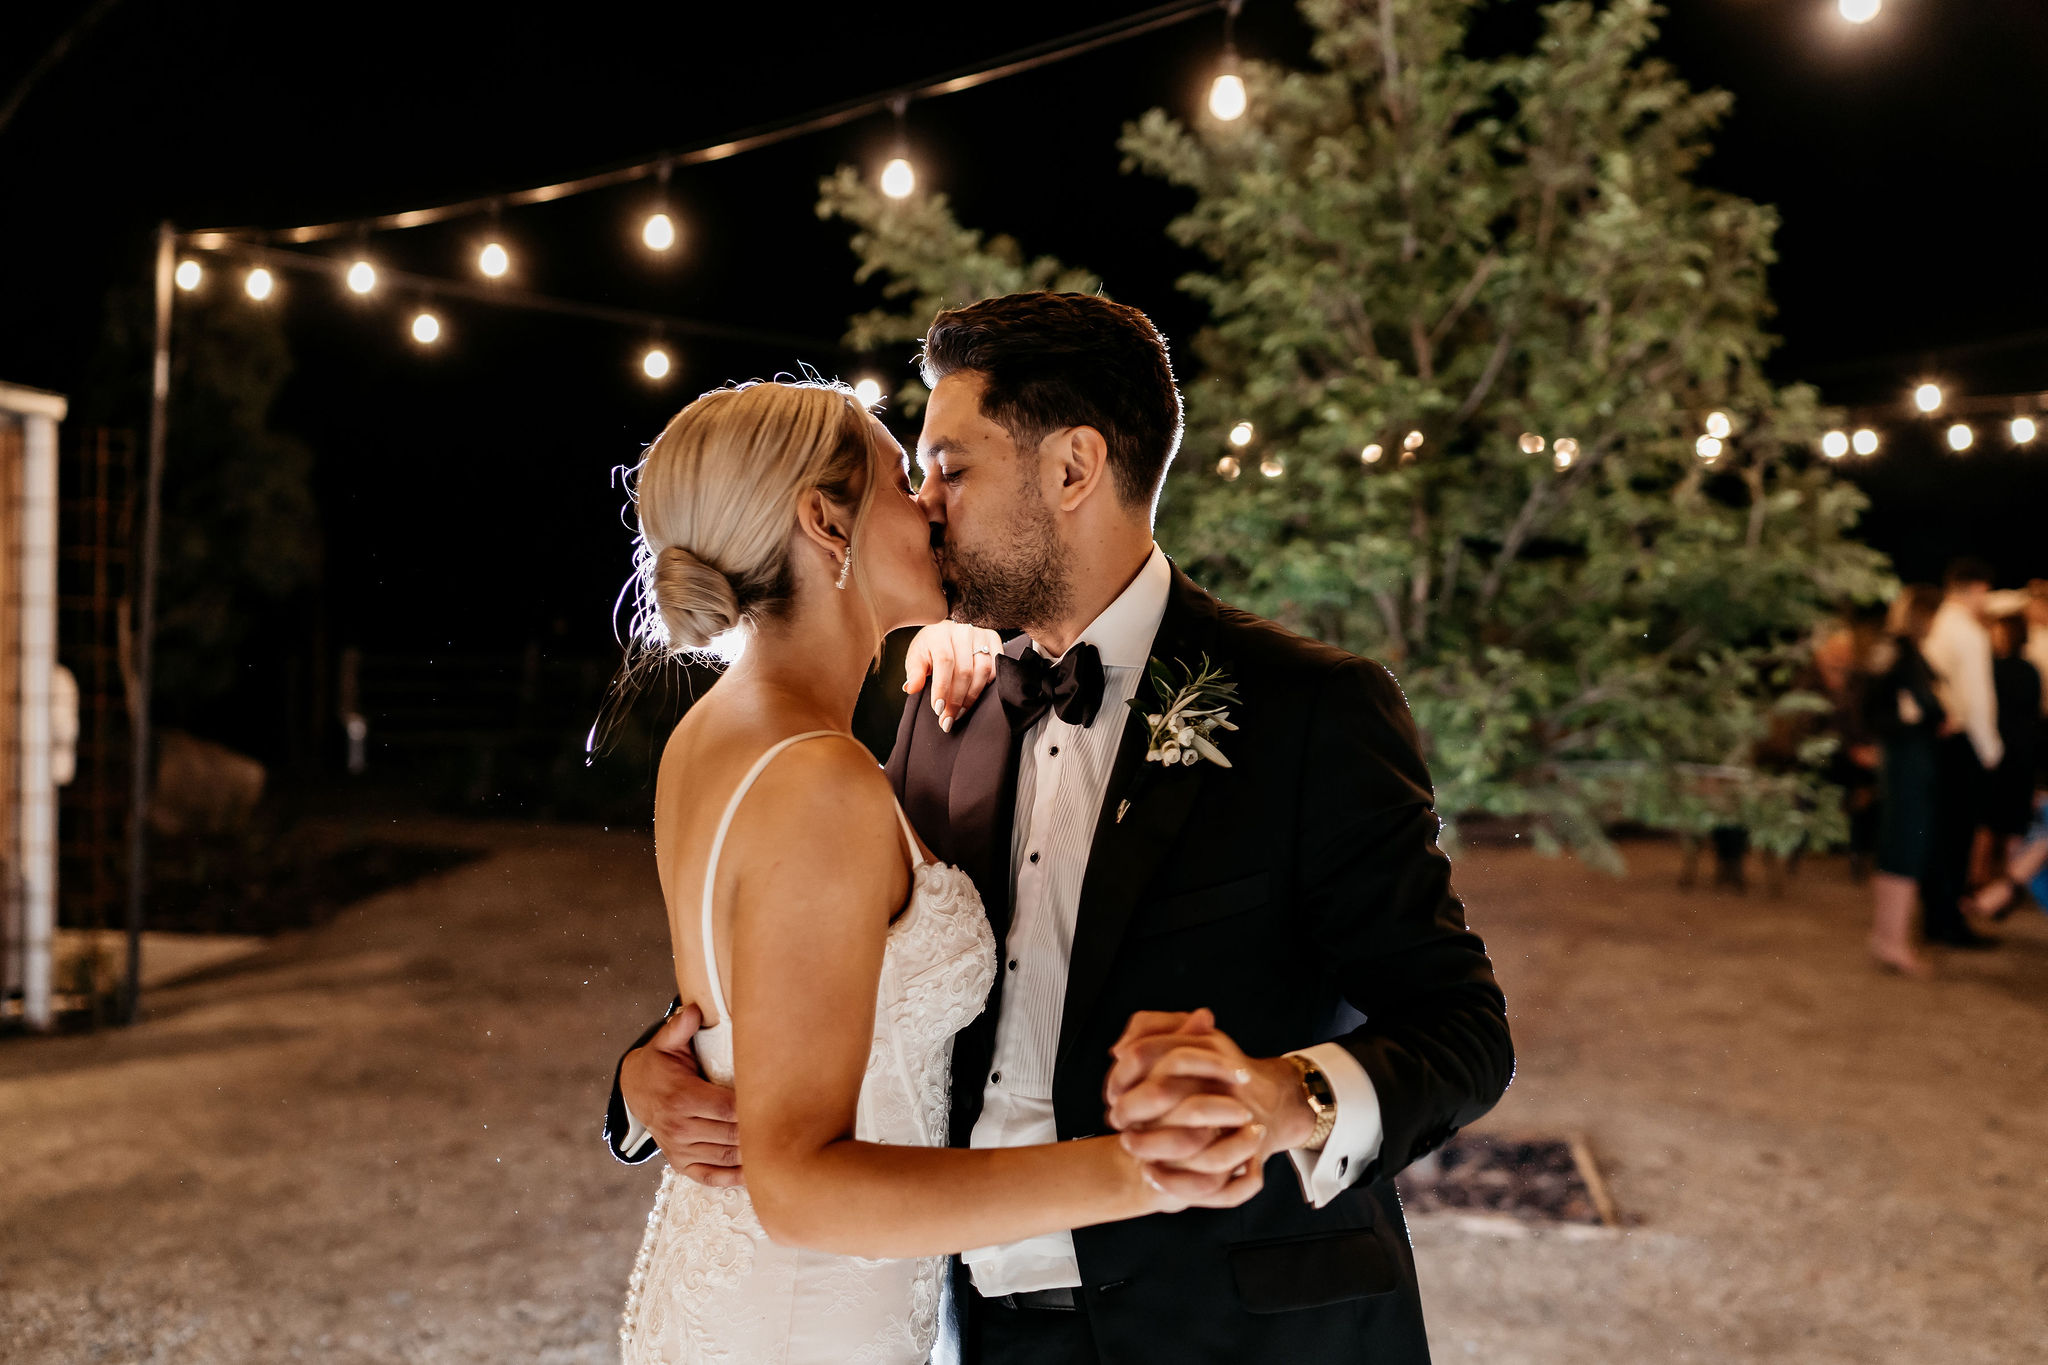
x: 1217, y: 1147
x: 958, y: 661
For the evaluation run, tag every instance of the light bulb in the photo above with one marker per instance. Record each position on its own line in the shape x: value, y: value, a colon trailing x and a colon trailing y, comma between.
x: 1567, y: 447
x: 1241, y: 434
x: 1927, y: 397
x: 899, y: 180
x: 1961, y: 438
x: 426, y: 328
x: 1860, y: 11
x: 2022, y: 430
x: 1835, y: 444
x: 1707, y: 447
x: 1227, y: 99
x: 1564, y: 458
x: 1531, y: 443
x: 493, y: 260
x: 654, y: 364
x: 260, y: 284
x: 659, y: 232
x: 1371, y: 454
x: 1864, y: 441
x: 1228, y: 467
x: 188, y: 275
x: 1718, y: 425
x: 868, y: 392
x: 1412, y: 441
x: 1271, y: 467
x: 362, y: 277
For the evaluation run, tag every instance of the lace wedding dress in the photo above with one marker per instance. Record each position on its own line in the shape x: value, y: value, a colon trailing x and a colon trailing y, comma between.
x: 709, y: 1286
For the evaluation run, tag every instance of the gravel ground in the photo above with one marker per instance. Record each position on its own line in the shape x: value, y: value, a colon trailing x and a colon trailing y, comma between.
x: 376, y: 1140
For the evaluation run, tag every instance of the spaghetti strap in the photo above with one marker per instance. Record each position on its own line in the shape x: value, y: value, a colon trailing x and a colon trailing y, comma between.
x: 732, y: 807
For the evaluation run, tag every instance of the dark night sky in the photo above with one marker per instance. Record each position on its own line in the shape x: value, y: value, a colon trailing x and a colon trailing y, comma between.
x: 467, y: 493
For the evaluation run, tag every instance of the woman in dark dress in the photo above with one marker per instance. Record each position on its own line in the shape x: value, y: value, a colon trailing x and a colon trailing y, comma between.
x: 1902, y: 711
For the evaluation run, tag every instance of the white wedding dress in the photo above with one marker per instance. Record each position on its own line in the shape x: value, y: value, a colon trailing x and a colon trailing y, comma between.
x: 709, y: 1285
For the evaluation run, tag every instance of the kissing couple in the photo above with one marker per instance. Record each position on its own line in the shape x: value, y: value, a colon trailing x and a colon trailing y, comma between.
x: 1096, y: 1026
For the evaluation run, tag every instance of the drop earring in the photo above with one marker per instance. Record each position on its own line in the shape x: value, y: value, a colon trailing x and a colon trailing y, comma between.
x: 845, y: 568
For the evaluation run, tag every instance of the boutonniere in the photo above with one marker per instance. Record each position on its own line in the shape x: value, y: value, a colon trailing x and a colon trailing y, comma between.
x: 1182, y: 731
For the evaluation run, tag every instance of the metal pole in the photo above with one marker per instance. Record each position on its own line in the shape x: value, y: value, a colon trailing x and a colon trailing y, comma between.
x: 145, y: 620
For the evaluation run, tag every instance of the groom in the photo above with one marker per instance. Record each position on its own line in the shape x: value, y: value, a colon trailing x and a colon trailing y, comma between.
x: 1286, y: 879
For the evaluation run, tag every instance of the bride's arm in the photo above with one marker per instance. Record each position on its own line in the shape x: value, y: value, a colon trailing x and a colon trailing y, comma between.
x: 823, y: 869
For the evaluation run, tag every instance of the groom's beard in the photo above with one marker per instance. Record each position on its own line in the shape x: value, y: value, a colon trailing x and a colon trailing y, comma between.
x: 1017, y: 585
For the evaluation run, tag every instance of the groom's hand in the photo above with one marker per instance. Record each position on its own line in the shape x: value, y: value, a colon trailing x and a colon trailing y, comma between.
x: 692, y: 1119
x: 958, y: 661
x: 1169, y: 1067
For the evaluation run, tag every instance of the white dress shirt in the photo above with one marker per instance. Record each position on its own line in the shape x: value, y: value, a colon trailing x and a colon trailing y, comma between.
x: 1958, y: 649
x: 1062, y: 775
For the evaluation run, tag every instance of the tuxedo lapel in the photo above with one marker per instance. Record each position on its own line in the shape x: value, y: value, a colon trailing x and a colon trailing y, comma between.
x: 1131, y: 839
x: 981, y: 801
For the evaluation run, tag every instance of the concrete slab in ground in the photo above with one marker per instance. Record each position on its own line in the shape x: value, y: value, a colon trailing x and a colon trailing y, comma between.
x: 376, y: 1140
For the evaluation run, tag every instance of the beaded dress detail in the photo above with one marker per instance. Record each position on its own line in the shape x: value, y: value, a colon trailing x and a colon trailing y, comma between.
x: 709, y: 1286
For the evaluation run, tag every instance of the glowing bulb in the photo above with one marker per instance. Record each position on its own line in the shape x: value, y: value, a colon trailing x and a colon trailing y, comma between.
x: 1564, y: 458
x: 1227, y: 98
x: 493, y: 260
x: 1835, y: 444
x: 1228, y: 467
x: 1567, y: 447
x: 868, y: 392
x: 1531, y: 443
x: 1707, y: 447
x: 655, y: 363
x: 1961, y: 438
x: 426, y: 328
x: 362, y: 277
x: 1864, y: 441
x: 260, y: 284
x: 1371, y: 454
x: 1718, y: 425
x: 659, y: 232
x: 899, y: 181
x: 1412, y: 441
x: 1241, y: 434
x: 1271, y: 467
x: 1927, y: 397
x: 2022, y: 430
x: 188, y: 275
x: 1860, y: 11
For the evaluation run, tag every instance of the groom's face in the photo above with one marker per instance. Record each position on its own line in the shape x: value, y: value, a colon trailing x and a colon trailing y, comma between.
x: 994, y: 527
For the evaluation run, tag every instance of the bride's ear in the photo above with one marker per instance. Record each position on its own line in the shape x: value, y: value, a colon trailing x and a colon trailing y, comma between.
x: 1081, y: 458
x: 821, y: 524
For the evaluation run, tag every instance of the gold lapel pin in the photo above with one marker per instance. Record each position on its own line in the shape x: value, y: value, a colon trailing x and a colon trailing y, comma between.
x: 1122, y: 806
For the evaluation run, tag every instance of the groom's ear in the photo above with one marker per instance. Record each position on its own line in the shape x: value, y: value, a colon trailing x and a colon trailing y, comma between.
x: 1081, y: 458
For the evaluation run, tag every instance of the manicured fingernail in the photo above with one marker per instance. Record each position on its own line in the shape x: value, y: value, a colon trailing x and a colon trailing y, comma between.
x: 938, y: 705
x: 906, y: 687
x: 1150, y: 1181
x: 946, y: 724
x: 1244, y: 1075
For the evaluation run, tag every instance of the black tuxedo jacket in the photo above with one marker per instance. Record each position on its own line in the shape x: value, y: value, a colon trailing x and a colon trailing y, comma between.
x: 1300, y: 894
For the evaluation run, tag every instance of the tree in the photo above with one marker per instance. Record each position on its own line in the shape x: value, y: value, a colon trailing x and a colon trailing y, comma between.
x: 1477, y: 315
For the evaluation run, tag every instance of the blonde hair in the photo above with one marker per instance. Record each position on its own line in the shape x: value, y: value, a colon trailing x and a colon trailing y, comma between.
x: 717, y: 496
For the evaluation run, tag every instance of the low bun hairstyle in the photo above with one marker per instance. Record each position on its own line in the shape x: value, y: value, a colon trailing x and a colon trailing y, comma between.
x: 717, y: 496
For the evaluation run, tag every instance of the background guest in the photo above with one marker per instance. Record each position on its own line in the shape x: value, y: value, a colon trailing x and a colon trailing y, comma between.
x: 2010, y: 805
x: 1903, y: 711
x: 1958, y: 648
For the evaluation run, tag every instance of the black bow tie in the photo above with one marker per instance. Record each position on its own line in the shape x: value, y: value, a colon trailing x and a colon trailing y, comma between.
x: 1032, y: 684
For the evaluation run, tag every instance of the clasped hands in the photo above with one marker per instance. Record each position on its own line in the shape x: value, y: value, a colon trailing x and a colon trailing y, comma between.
x: 1200, y: 1116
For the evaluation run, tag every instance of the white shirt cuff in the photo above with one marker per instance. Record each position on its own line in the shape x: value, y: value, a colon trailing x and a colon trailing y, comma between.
x: 1354, y: 1141
x: 636, y: 1137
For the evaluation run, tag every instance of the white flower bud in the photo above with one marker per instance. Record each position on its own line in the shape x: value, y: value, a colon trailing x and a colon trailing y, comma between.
x: 1170, y: 754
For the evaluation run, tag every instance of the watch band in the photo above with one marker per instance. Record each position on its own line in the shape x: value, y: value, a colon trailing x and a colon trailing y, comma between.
x: 1322, y: 1100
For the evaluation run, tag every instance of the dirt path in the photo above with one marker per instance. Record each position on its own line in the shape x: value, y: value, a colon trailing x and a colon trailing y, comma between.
x: 375, y: 1141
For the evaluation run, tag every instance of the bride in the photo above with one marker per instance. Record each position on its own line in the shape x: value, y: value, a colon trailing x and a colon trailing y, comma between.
x: 831, y: 958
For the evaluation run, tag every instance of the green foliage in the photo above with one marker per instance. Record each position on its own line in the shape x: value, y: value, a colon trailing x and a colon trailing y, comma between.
x: 925, y: 257
x: 241, y: 531
x: 1410, y: 244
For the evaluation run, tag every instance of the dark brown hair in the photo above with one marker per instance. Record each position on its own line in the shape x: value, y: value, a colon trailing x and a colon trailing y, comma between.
x: 1069, y: 360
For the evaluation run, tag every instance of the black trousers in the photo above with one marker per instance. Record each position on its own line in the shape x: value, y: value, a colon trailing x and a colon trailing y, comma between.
x: 1958, y: 807
x: 1032, y: 1336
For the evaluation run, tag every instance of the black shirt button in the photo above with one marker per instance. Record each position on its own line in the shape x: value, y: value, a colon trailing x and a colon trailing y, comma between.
x: 1034, y: 857
x: 1053, y: 752
x: 996, y: 1079
x: 1013, y: 964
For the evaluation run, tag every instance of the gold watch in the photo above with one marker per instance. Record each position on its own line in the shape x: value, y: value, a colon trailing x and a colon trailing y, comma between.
x: 1322, y: 1100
